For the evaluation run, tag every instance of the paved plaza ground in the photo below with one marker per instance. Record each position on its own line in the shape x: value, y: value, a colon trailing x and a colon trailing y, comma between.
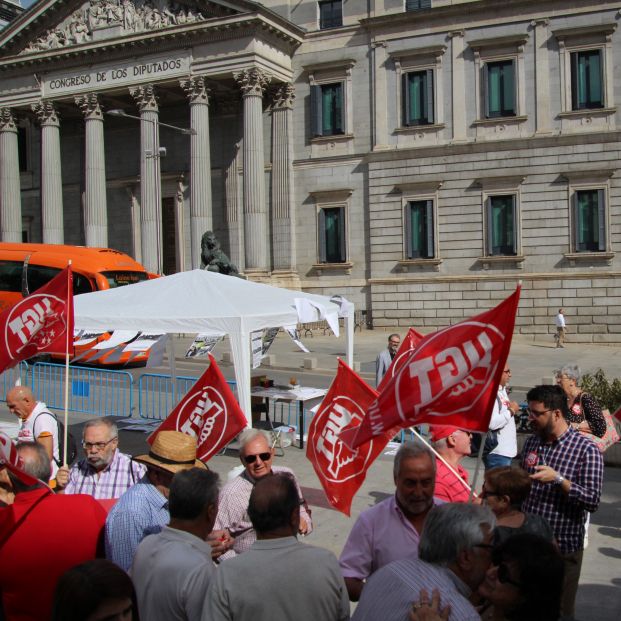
x: 599, y: 596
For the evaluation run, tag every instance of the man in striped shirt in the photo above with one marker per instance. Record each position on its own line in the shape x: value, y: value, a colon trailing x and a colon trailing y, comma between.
x: 454, y: 554
x: 567, y: 471
x: 104, y: 472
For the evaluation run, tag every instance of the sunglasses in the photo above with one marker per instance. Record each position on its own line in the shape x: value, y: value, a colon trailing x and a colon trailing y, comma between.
x: 250, y: 459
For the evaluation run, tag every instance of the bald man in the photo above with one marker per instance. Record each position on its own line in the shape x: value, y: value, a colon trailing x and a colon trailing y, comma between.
x: 37, y: 423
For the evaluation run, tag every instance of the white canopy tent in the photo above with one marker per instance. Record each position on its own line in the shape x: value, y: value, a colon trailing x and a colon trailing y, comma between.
x: 202, y: 301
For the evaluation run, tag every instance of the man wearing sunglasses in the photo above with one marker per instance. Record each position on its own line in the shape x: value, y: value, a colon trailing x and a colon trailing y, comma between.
x: 104, y: 472
x: 567, y: 471
x: 256, y: 455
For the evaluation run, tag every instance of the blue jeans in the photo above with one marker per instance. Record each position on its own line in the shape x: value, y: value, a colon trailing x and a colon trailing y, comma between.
x: 494, y: 461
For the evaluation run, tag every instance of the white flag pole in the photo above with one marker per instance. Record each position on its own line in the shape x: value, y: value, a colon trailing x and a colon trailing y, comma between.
x: 470, y: 489
x: 66, y: 430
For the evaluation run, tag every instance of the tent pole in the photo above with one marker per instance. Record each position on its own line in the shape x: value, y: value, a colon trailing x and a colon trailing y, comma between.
x: 349, y: 329
x: 170, y: 346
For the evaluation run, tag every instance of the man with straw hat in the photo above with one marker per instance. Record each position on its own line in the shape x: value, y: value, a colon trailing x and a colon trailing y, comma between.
x: 143, y: 509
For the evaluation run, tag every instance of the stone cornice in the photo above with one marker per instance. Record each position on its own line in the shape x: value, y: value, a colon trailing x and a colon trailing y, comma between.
x: 182, y: 36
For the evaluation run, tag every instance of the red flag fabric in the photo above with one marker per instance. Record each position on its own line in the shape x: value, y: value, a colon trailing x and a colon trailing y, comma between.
x: 39, y: 323
x: 341, y: 470
x: 408, y: 345
x: 617, y: 415
x: 209, y: 412
x: 450, y: 379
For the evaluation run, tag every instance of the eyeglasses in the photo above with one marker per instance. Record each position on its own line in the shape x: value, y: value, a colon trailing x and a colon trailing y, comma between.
x: 536, y: 414
x: 250, y: 459
x: 100, y: 446
x: 504, y: 576
x: 485, y: 493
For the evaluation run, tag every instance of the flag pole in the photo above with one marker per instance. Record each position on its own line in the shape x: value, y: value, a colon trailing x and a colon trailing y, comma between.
x: 66, y: 429
x: 470, y: 489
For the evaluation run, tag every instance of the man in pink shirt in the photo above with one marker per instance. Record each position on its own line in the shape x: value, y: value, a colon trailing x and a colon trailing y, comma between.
x: 390, y: 530
x: 453, y: 445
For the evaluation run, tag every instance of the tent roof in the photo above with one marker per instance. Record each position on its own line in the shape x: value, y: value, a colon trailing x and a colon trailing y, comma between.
x: 194, y: 301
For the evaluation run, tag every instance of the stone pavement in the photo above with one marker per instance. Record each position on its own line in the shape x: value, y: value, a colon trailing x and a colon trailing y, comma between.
x: 599, y: 596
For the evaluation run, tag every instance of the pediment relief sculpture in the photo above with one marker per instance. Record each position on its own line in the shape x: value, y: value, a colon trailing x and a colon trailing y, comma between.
x: 126, y: 15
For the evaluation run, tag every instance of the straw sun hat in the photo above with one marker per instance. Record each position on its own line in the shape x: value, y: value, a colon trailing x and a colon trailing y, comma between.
x: 172, y: 451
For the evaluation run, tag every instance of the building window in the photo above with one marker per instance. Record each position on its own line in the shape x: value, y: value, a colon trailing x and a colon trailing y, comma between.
x: 501, y: 225
x: 330, y: 14
x: 417, y: 5
x: 586, y: 80
x: 499, y: 88
x: 417, y: 97
x: 22, y: 149
x: 590, y: 220
x: 332, y: 239
x: 419, y: 230
x: 327, y: 109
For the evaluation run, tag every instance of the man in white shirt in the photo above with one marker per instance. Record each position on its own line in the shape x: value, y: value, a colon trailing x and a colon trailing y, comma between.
x: 559, y: 322
x: 503, y: 423
x: 37, y: 423
x: 172, y: 569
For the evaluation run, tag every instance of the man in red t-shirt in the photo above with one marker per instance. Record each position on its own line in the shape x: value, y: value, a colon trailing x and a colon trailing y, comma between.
x: 41, y: 536
x: 453, y: 445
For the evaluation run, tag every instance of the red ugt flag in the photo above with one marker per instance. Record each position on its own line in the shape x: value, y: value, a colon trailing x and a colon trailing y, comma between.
x: 341, y: 470
x: 408, y: 345
x: 39, y: 323
x: 209, y: 412
x: 450, y: 379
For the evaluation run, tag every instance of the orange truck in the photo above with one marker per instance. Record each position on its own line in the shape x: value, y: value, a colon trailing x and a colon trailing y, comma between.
x: 26, y: 267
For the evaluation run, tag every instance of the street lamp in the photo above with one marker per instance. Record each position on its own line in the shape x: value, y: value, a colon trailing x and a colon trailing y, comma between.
x: 155, y: 154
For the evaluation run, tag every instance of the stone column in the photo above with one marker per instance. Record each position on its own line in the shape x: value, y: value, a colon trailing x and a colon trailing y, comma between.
x: 256, y: 233
x: 201, y: 218
x: 283, y: 209
x: 51, y: 174
x: 10, y: 190
x: 542, y: 76
x: 458, y: 85
x: 234, y: 221
x: 380, y: 106
x: 95, y: 204
x: 150, y: 178
x: 134, y: 210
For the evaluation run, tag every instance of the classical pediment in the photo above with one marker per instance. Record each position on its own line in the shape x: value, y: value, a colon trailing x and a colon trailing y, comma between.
x: 50, y: 25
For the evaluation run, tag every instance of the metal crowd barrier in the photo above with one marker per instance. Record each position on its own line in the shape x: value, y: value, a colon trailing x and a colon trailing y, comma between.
x: 10, y: 377
x: 157, y: 395
x: 101, y: 392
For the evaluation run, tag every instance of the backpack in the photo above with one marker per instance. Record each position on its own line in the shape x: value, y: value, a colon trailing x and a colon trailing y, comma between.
x: 72, y: 447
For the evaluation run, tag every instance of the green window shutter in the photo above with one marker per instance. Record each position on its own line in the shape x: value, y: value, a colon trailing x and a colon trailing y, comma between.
x: 408, y: 231
x: 430, y: 250
x: 576, y: 218
x: 512, y: 237
x: 601, y: 220
x: 489, y: 227
x: 595, y: 80
x: 430, y: 117
x: 486, y: 85
x: 315, y: 101
x: 509, y: 90
x: 405, y: 98
x: 415, y: 111
x: 342, y: 238
x: 322, y: 236
x: 576, y: 99
x: 339, y: 124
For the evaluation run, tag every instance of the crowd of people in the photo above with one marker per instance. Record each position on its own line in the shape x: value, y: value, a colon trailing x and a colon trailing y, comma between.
x: 157, y: 536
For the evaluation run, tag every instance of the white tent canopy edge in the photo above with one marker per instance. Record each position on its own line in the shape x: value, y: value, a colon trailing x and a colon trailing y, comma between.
x: 202, y: 301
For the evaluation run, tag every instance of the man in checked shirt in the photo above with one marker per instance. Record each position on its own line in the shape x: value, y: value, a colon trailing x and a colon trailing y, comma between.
x: 256, y: 455
x: 567, y: 472
x: 104, y: 472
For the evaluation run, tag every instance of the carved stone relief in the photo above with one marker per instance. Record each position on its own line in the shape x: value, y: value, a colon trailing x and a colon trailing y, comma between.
x: 127, y: 15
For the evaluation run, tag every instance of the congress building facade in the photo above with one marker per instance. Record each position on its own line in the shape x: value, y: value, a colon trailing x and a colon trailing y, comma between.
x: 419, y: 157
